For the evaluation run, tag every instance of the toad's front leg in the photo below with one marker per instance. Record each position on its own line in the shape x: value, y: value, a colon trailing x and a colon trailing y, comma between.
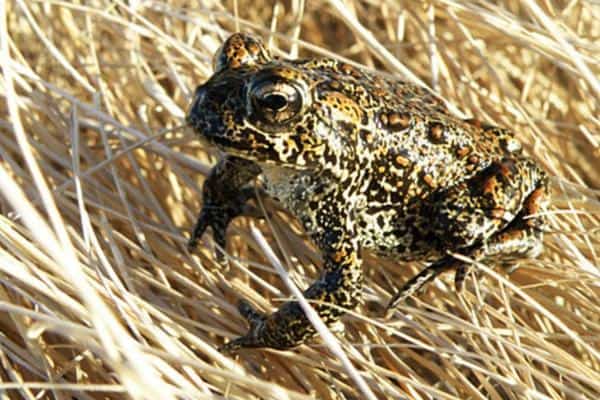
x: 337, y: 290
x: 224, y: 197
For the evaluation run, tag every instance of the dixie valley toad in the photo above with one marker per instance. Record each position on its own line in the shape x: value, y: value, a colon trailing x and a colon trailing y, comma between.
x: 365, y: 163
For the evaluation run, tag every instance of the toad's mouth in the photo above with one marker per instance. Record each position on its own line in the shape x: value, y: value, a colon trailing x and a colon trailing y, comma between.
x: 267, y: 149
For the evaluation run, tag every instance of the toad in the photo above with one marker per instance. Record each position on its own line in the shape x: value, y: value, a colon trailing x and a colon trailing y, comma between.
x: 365, y: 163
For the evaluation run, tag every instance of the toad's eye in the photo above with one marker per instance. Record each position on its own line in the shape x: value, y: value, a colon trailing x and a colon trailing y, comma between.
x: 275, y: 102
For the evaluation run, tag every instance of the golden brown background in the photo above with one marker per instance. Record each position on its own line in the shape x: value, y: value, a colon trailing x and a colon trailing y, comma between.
x: 99, y: 297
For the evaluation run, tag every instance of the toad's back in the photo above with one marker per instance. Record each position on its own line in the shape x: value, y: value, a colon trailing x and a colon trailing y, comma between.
x: 402, y: 147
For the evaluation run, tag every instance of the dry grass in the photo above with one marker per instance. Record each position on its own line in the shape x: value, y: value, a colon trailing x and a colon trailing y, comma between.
x: 99, y: 297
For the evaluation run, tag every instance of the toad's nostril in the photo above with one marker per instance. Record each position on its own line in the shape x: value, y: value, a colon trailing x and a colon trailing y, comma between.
x: 199, y: 96
x: 197, y: 101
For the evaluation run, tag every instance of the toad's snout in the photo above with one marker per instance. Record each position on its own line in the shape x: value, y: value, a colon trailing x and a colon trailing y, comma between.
x: 204, y: 115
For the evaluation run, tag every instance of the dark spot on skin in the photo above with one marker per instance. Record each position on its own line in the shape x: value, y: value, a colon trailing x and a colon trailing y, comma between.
x: 347, y: 69
x: 335, y: 85
x: 436, y: 133
x: 462, y: 152
x: 398, y: 122
x: 473, y: 159
x: 366, y: 136
x: 396, y: 196
x: 373, y: 186
x: 428, y: 179
x: 300, y: 130
x: 364, y: 118
x: 402, y: 161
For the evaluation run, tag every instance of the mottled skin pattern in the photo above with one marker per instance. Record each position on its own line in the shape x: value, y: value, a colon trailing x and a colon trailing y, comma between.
x: 364, y: 163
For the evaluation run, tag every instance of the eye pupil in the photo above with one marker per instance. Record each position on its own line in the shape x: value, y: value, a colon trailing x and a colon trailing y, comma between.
x: 274, y: 101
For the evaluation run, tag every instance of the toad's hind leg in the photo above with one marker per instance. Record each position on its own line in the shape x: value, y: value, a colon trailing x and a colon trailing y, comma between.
x: 477, y: 219
x: 522, y: 238
x: 507, y: 246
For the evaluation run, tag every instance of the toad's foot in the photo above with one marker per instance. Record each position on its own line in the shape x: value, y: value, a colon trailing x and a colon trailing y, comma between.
x: 338, y: 289
x: 420, y: 280
x: 218, y: 217
x: 252, y: 338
